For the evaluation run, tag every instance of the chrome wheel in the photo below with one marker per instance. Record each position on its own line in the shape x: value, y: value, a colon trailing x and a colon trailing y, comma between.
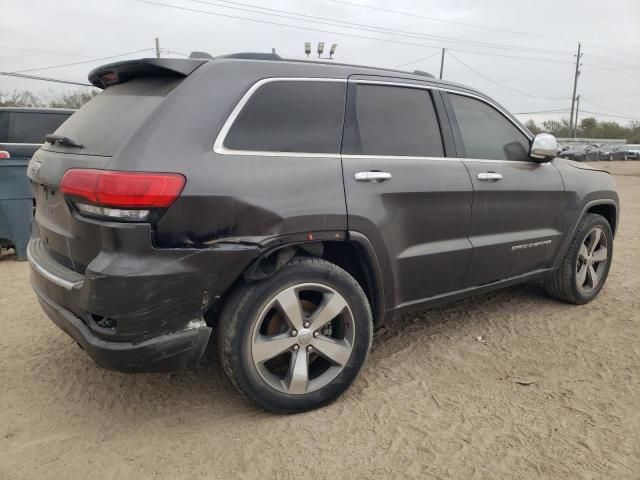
x: 303, y: 338
x: 592, y: 260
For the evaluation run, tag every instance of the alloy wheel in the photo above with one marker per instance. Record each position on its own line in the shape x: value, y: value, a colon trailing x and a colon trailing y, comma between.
x: 303, y: 338
x: 592, y: 260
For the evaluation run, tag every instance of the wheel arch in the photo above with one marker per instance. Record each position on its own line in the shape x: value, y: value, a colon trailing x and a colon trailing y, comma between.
x: 606, y: 207
x: 353, y: 253
x: 608, y: 211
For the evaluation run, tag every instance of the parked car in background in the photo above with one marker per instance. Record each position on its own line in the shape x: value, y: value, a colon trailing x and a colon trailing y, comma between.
x: 582, y: 153
x: 613, y: 152
x: 632, y: 152
x: 22, y: 132
x: 575, y: 152
x: 290, y: 206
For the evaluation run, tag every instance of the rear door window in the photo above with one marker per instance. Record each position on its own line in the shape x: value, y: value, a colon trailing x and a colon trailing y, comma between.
x: 486, y: 133
x: 291, y: 116
x: 395, y: 121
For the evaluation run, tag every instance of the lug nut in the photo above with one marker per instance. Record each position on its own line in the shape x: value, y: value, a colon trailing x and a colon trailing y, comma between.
x: 306, y: 324
x: 295, y: 348
x: 294, y: 333
x: 315, y: 334
x: 309, y: 348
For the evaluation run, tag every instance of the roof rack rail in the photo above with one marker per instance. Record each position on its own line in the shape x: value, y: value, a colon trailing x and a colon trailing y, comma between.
x: 253, y: 56
x: 201, y: 55
x: 423, y: 73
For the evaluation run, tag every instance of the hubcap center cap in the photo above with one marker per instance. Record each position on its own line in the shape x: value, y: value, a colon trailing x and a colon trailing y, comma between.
x: 304, y: 337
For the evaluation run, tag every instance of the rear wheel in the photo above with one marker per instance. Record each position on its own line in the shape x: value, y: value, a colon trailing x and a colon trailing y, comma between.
x: 296, y: 340
x: 585, y: 266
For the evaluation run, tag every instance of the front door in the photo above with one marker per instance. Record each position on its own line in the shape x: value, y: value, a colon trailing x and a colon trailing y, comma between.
x: 516, y: 220
x: 412, y: 202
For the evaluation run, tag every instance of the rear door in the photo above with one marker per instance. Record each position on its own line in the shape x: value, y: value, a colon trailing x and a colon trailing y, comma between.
x: 403, y: 193
x: 516, y: 222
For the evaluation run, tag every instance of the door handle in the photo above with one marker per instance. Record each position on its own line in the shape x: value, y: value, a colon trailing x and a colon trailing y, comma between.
x: 489, y: 176
x: 374, y: 177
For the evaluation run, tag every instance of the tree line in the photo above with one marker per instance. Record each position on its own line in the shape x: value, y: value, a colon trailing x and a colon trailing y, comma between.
x: 589, y: 127
x: 51, y: 99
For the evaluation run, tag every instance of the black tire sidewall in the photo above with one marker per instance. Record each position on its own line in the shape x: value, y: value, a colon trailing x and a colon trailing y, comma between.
x: 247, y: 378
x: 590, y: 222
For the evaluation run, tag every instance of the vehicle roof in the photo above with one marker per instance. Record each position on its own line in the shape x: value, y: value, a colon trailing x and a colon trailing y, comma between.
x: 37, y: 110
x: 350, y: 69
x: 272, y: 62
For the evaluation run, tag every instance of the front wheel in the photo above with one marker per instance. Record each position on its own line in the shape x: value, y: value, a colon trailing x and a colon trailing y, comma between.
x: 585, y: 266
x: 296, y: 340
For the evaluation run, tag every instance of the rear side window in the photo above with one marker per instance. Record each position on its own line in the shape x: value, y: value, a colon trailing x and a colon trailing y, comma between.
x: 291, y: 116
x: 32, y: 127
x: 486, y: 133
x: 395, y: 121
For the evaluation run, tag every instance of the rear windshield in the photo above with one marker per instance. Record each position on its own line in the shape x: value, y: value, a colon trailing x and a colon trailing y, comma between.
x: 105, y: 123
x: 29, y: 127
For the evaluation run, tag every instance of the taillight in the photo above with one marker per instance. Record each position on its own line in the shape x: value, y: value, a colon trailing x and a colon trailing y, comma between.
x: 4, y: 154
x: 120, y: 195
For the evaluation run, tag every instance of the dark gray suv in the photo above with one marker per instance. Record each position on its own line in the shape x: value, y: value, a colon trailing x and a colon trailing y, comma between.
x: 291, y: 206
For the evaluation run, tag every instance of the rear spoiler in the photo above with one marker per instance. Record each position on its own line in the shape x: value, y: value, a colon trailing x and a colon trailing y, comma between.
x: 120, y: 72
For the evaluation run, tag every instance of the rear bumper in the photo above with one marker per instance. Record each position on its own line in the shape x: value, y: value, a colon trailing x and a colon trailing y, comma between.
x: 139, y: 310
x: 167, y: 352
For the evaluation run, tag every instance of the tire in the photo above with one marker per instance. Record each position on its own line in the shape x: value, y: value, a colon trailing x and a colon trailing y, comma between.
x: 574, y: 281
x: 301, y: 377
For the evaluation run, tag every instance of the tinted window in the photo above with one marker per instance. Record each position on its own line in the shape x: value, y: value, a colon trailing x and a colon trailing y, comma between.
x: 486, y: 133
x: 291, y: 116
x: 31, y: 127
x: 396, y: 121
x: 106, y: 122
x: 4, y: 127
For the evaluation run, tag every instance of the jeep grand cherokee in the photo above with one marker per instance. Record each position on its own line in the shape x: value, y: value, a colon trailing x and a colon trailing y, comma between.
x: 291, y: 206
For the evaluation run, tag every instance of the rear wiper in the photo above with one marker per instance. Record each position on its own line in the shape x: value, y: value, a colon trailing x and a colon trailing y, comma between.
x: 52, y: 139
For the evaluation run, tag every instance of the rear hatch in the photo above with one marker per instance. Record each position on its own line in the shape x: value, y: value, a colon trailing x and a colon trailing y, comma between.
x: 134, y: 91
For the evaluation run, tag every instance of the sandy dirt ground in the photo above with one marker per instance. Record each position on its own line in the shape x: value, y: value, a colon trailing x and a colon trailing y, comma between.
x: 554, y: 392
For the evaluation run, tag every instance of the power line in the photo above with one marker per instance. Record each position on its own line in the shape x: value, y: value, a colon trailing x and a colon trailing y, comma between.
x: 82, y: 62
x: 300, y: 27
x: 473, y: 25
x: 498, y: 83
x: 418, y: 60
x: 365, y: 27
x: 43, y: 51
x: 600, y: 106
x: 414, y: 15
x: 612, y: 70
x: 610, y: 115
x: 44, y: 79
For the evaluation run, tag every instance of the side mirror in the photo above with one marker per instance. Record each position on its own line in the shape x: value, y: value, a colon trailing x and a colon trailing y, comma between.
x: 544, y: 147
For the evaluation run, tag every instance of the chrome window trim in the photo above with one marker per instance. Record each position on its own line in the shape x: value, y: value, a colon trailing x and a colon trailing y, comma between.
x: 439, y: 159
x: 219, y: 148
x: 218, y: 144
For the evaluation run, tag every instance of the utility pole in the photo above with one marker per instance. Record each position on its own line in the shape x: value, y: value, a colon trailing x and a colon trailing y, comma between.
x: 575, y: 124
x: 575, y: 86
x: 442, y: 63
x: 157, y: 47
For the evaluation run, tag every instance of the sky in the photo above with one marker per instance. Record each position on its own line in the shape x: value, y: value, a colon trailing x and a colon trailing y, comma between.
x: 521, y: 53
